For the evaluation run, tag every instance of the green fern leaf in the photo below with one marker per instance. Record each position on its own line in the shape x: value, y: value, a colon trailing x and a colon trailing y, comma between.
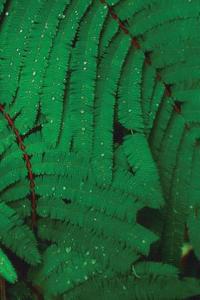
x: 6, y: 269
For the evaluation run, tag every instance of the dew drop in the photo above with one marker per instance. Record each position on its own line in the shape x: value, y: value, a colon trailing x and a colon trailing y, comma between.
x: 68, y: 249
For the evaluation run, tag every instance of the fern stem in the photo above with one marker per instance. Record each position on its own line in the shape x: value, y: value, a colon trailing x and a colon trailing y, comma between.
x: 136, y: 45
x: 2, y: 289
x: 27, y: 161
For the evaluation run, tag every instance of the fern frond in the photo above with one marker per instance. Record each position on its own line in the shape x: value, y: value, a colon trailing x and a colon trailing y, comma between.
x: 160, y: 13
x: 109, y: 254
x: 6, y: 269
x: 155, y: 102
x: 55, y: 87
x: 46, y: 25
x: 130, y: 110
x: 162, y: 120
x: 17, y: 236
x: 64, y: 263
x: 148, y: 281
x: 110, y: 29
x: 103, y: 225
x: 82, y: 92
x: 111, y: 64
x: 147, y: 93
x: 147, y: 185
x: 18, y: 22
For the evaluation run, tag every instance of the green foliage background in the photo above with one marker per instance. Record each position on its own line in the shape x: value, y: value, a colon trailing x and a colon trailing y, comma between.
x: 99, y: 149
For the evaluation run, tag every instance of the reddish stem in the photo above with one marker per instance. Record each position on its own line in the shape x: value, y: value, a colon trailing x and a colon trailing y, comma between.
x: 27, y: 161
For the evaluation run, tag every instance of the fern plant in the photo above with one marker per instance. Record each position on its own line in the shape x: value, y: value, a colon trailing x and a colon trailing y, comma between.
x: 99, y: 148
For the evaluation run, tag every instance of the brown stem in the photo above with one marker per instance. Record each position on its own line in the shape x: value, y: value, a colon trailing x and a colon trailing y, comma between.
x: 2, y: 289
x: 26, y: 158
